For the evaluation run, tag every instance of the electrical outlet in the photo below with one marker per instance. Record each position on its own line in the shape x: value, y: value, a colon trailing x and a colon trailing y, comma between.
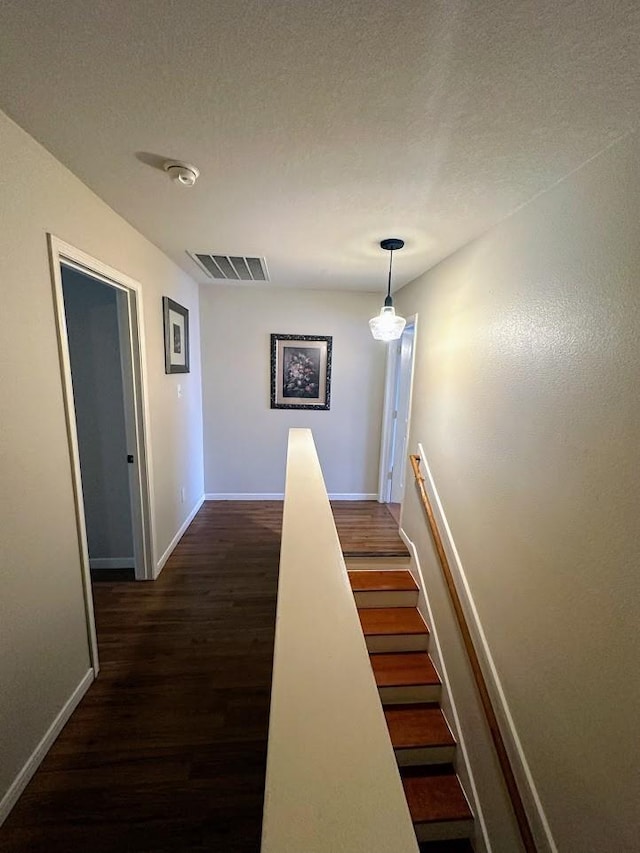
x: 182, y: 495
x: 179, y: 390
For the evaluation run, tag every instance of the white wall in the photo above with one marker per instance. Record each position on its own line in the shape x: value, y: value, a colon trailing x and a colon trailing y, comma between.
x: 526, y: 401
x: 91, y: 312
x: 43, y: 640
x: 246, y: 440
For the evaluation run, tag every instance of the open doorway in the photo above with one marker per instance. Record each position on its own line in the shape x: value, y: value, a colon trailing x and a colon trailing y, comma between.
x: 97, y: 312
x: 397, y: 411
x: 96, y: 317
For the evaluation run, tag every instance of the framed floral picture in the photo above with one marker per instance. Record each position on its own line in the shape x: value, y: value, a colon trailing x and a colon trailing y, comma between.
x: 176, y: 337
x: 300, y: 371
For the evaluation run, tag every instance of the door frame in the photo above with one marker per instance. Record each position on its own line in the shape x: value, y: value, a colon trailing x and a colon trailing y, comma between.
x: 61, y: 253
x: 388, y: 420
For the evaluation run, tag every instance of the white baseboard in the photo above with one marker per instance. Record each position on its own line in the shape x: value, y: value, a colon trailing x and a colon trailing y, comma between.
x: 33, y: 762
x: 111, y: 563
x: 278, y: 496
x: 163, y: 559
x: 244, y: 496
x: 521, y: 769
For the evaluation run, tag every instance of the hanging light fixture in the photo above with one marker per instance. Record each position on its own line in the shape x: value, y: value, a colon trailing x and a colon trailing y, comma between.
x: 387, y: 326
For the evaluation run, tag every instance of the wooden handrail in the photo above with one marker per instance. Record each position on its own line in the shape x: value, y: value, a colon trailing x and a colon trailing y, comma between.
x: 496, y: 736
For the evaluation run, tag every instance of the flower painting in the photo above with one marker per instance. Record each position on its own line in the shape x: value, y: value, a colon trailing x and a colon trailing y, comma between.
x: 300, y: 371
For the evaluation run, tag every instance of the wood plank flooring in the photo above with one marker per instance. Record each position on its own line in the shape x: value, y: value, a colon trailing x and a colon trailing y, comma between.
x: 167, y: 750
x: 366, y: 528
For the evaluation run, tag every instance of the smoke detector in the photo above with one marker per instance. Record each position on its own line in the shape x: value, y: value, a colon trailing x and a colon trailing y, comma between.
x: 183, y: 174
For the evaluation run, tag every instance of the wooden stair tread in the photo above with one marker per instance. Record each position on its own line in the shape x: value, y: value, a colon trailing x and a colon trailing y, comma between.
x: 381, y: 581
x: 435, y: 797
x: 416, y: 726
x: 392, y: 620
x: 403, y: 668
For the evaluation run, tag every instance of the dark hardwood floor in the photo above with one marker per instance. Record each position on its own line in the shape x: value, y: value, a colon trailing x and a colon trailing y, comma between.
x: 167, y: 750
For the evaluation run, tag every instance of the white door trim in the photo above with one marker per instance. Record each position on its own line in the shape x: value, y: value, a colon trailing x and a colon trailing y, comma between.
x: 388, y: 425
x: 404, y: 390
x: 63, y: 253
x: 384, y: 481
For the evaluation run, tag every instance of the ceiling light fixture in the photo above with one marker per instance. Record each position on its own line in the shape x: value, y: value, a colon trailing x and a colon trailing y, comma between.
x: 183, y: 174
x: 387, y: 326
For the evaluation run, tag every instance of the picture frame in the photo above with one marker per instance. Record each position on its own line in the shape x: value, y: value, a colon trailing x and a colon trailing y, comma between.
x: 301, y: 371
x: 176, y: 336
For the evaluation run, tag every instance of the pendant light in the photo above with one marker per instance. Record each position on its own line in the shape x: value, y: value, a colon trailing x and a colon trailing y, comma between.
x: 387, y: 326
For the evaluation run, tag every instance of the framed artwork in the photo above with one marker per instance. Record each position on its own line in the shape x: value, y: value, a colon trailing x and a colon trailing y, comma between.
x: 176, y: 337
x: 300, y: 371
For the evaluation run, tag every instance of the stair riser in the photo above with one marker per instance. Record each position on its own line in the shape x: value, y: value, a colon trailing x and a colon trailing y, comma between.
x: 444, y: 830
x: 418, y: 756
x: 387, y: 598
x: 410, y: 694
x: 376, y: 564
x: 397, y: 642
x: 430, y: 798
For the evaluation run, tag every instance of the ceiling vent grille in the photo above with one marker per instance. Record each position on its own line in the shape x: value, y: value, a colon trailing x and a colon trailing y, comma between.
x: 232, y: 267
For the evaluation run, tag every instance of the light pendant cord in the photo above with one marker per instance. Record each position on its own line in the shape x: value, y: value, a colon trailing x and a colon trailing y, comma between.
x: 389, y: 301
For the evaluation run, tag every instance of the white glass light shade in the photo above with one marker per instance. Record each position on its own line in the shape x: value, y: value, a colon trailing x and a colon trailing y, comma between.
x: 386, y: 326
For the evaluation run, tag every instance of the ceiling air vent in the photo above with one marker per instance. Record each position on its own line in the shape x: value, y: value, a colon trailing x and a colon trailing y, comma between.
x: 232, y: 267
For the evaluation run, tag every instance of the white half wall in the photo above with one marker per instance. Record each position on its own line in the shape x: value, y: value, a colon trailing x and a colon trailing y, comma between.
x: 526, y: 402
x: 43, y: 636
x: 246, y: 440
x: 332, y: 782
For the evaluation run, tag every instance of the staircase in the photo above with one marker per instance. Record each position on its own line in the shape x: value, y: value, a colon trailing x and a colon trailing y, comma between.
x: 409, y: 687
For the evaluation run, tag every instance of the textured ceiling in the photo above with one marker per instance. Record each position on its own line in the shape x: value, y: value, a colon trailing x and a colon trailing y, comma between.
x: 321, y: 127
